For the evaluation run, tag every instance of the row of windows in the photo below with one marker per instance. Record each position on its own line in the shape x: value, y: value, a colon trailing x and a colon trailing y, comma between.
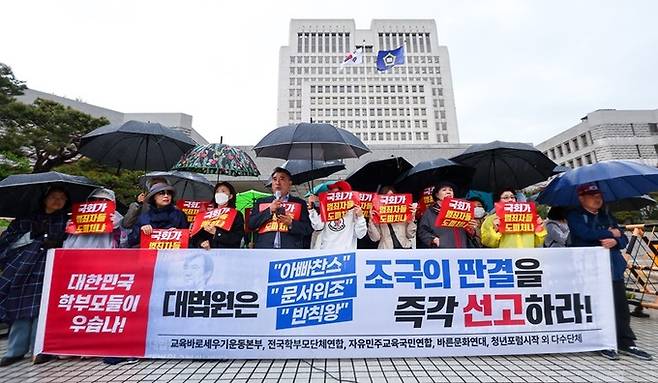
x: 414, y: 42
x: 371, y: 88
x: 373, y: 112
x: 371, y: 100
x: 323, y: 42
x: 360, y: 69
x: 568, y: 146
x: 409, y: 59
x: 580, y: 161
x: 387, y: 124
x: 432, y: 80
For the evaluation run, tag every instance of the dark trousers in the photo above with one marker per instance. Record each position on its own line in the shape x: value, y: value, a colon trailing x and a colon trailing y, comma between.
x: 625, y: 336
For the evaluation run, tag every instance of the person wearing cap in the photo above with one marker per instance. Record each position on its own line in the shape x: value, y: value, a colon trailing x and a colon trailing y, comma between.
x: 399, y: 235
x: 162, y: 213
x: 97, y: 241
x: 340, y: 234
x: 280, y: 220
x: 433, y: 236
x: 492, y: 237
x: 591, y: 225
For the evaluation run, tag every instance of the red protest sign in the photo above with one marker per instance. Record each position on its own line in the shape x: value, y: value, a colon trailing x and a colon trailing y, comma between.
x: 94, y: 299
x: 334, y: 205
x: 165, y: 239
x: 455, y: 213
x: 291, y: 209
x: 93, y: 217
x: 516, y: 217
x: 365, y: 200
x: 392, y: 208
x: 191, y: 208
x: 426, y: 200
x: 222, y: 218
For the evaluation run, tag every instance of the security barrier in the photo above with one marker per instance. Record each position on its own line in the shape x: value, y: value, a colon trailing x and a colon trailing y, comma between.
x: 642, y: 270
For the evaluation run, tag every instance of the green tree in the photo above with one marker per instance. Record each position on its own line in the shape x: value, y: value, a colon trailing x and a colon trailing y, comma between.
x: 46, y: 133
x: 125, y: 184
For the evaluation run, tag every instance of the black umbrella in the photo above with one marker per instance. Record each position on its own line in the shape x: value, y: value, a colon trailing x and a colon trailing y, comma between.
x: 305, y: 171
x: 428, y: 173
x: 374, y: 174
x: 506, y: 164
x: 21, y: 194
x: 189, y: 186
x: 310, y: 141
x: 136, y: 145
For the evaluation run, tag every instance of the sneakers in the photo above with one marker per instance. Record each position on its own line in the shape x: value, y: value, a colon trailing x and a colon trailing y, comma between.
x: 635, y: 352
x: 115, y: 360
x: 609, y: 354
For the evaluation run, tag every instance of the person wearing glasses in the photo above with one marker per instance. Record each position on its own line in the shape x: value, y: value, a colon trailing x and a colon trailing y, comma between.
x: 492, y: 237
x: 162, y: 213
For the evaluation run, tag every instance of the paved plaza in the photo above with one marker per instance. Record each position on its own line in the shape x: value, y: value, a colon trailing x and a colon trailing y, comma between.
x: 582, y: 367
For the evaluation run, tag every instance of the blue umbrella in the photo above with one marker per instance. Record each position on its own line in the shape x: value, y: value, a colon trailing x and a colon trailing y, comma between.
x: 616, y: 179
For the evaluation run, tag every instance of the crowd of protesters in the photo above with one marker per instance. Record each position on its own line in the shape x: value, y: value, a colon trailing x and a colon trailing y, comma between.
x: 271, y: 226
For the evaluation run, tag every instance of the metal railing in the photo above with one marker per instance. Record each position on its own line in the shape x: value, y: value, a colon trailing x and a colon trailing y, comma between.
x: 642, y: 266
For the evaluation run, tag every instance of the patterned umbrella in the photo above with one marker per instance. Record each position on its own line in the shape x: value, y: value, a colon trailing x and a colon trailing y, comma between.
x: 218, y: 159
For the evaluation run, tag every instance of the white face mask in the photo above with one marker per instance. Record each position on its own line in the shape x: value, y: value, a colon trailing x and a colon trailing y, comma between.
x: 221, y: 198
x: 479, y: 212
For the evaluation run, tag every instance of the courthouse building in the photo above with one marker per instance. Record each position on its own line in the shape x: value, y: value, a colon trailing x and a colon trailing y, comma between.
x: 411, y: 103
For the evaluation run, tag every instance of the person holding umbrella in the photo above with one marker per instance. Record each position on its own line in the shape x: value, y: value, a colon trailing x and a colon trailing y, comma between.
x: 397, y: 235
x: 281, y: 220
x: 343, y: 233
x: 138, y: 207
x: 23, y: 248
x: 492, y: 237
x: 162, y: 213
x: 432, y: 236
x: 590, y: 225
x: 215, y: 237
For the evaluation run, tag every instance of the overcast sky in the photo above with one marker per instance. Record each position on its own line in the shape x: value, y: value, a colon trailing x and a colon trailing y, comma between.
x: 522, y: 70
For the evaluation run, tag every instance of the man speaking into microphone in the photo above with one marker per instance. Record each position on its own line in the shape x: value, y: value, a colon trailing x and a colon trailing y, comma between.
x: 281, y: 221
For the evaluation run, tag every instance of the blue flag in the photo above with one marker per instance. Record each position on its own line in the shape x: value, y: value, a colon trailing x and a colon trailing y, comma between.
x: 388, y: 59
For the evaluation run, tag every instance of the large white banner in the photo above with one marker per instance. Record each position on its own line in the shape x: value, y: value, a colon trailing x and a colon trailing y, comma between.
x: 369, y: 303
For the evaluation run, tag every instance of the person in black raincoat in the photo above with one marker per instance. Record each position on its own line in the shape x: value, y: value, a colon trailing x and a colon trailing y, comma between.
x: 432, y: 236
x: 23, y: 248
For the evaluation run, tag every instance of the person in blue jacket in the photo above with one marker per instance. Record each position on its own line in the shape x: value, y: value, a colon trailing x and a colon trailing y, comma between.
x: 162, y: 213
x: 590, y: 225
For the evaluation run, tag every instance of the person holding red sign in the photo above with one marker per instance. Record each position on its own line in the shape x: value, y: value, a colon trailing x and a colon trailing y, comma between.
x: 492, y: 237
x: 433, y: 236
x: 225, y: 235
x: 23, y: 247
x: 397, y: 235
x: 162, y: 213
x: 99, y: 240
x: 281, y: 220
x: 343, y: 233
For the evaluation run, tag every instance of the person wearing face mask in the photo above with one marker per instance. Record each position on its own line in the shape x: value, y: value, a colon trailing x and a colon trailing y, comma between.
x: 491, y: 237
x: 397, y: 235
x: 217, y: 237
x: 433, y: 236
x: 162, y: 213
x: 479, y: 214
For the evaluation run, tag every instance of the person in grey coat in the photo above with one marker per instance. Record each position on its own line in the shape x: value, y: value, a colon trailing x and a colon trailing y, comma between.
x: 557, y: 228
